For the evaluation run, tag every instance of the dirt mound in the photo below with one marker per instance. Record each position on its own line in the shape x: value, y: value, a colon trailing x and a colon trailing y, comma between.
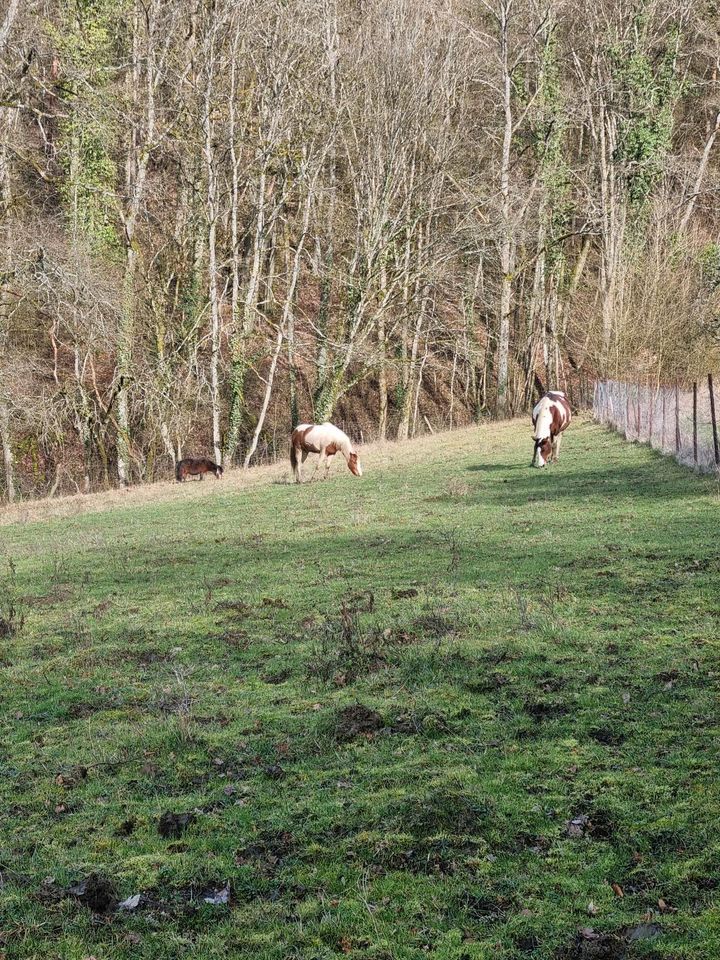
x: 356, y: 721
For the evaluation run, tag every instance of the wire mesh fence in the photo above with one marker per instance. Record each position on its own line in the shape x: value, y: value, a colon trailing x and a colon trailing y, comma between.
x: 679, y: 421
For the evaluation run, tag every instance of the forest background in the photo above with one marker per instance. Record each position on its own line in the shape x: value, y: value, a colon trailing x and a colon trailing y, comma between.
x: 221, y: 217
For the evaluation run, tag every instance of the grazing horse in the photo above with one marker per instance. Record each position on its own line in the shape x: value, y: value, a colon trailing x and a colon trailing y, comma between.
x: 550, y: 417
x: 194, y: 468
x: 325, y: 439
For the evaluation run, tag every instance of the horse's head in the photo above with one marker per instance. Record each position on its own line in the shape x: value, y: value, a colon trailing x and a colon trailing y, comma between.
x: 218, y: 471
x: 354, y: 464
x: 541, y: 454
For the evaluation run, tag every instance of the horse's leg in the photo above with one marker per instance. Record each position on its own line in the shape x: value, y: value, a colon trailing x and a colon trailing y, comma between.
x: 327, y: 465
x: 321, y: 461
x: 299, y: 462
x: 556, y: 450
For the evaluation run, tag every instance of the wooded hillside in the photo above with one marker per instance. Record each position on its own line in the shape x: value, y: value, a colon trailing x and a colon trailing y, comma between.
x: 218, y: 217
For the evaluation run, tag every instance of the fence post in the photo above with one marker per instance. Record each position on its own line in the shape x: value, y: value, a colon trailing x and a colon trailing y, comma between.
x: 677, y: 418
x: 695, y: 421
x: 662, y: 431
x: 628, y: 421
x: 714, y: 420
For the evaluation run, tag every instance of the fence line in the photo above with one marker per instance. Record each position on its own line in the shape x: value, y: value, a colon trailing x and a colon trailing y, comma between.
x: 680, y: 422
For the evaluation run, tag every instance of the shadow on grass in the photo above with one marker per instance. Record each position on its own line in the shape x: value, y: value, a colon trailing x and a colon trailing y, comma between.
x: 654, y: 479
x: 497, y: 467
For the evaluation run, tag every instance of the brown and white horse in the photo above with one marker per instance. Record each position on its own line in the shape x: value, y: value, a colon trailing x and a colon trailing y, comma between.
x: 325, y: 439
x: 550, y: 417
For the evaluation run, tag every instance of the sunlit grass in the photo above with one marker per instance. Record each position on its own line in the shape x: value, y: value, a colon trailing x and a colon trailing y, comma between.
x: 521, y: 649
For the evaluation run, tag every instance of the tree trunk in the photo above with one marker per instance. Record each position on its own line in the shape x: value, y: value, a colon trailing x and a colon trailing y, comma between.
x: 507, y: 246
x: 382, y: 380
x: 7, y: 450
x: 700, y: 174
x: 212, y: 215
x: 238, y: 361
x: 124, y: 365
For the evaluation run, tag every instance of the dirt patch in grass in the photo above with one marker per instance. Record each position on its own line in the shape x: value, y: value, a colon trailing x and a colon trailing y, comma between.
x: 483, y: 908
x: 173, y: 825
x: 277, y: 676
x: 267, y: 852
x: 448, y: 811
x: 356, y: 721
x: 607, y: 736
x: 591, y: 945
x: 95, y: 892
x: 488, y: 684
x: 542, y: 710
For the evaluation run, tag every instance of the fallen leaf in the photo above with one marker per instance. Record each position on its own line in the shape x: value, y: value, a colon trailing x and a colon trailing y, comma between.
x: 644, y: 931
x: 219, y: 897
x: 592, y: 909
x: 131, y: 903
x: 577, y: 827
x: 617, y: 890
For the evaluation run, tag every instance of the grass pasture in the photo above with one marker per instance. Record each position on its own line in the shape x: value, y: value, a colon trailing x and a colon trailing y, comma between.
x: 457, y: 708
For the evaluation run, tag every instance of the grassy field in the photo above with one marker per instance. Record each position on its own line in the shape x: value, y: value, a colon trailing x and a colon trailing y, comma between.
x: 457, y: 708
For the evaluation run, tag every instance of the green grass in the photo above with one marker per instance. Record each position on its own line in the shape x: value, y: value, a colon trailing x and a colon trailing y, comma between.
x: 558, y: 662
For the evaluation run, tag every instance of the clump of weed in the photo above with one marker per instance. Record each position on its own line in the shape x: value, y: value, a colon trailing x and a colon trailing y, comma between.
x: 12, y: 610
x: 523, y: 608
x: 457, y: 487
x: 345, y: 649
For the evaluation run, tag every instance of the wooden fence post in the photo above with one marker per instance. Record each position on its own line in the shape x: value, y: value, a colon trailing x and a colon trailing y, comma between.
x: 695, y: 421
x: 677, y: 418
x: 714, y: 420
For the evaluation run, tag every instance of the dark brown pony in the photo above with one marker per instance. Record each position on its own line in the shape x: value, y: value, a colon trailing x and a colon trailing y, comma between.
x: 196, y: 468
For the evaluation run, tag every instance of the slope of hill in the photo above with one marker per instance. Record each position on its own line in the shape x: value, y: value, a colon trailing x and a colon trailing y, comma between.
x: 457, y: 708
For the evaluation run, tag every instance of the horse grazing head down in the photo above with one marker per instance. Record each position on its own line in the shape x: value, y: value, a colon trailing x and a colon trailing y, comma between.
x: 354, y: 464
x: 325, y: 439
x: 542, y: 452
x: 197, y: 467
x: 550, y: 417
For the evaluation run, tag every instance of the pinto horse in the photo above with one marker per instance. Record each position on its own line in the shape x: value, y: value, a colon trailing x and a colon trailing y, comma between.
x: 196, y: 468
x: 550, y: 417
x: 325, y: 439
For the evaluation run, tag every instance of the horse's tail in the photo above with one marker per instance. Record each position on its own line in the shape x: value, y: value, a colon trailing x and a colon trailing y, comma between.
x: 293, y: 456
